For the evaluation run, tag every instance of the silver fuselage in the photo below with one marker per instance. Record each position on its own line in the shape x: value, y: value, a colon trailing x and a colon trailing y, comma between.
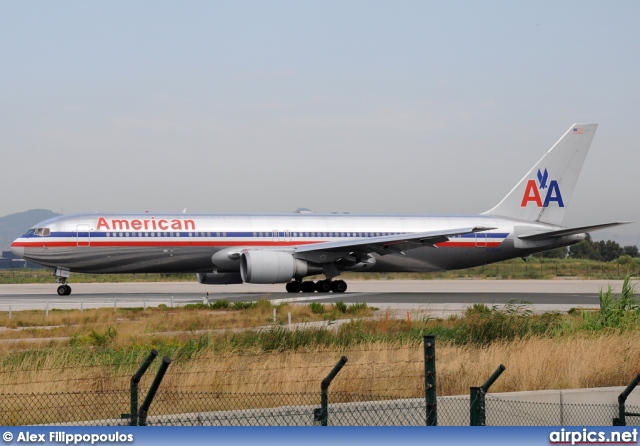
x: 179, y: 243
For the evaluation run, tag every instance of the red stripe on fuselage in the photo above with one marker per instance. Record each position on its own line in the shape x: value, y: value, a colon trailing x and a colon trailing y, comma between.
x: 168, y: 243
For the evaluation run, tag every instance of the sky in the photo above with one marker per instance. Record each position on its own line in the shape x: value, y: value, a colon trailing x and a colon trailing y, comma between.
x: 416, y: 107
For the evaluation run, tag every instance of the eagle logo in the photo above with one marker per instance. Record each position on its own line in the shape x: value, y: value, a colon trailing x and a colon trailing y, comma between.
x: 542, y: 178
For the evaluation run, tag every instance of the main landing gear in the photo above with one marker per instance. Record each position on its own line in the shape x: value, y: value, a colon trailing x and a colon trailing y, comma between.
x: 64, y: 290
x: 321, y: 286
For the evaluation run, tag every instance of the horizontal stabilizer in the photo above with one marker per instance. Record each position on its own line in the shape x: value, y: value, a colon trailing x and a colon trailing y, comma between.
x: 569, y: 231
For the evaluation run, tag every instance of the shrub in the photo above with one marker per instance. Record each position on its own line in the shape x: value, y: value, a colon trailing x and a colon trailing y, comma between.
x: 220, y: 303
x: 340, y: 306
x: 243, y: 305
x: 357, y: 308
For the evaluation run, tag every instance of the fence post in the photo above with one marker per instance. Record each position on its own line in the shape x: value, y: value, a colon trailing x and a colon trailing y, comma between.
x: 144, y: 409
x: 477, y: 407
x: 135, y: 380
x: 430, y: 380
x: 322, y: 414
x: 622, y: 398
x: 477, y: 399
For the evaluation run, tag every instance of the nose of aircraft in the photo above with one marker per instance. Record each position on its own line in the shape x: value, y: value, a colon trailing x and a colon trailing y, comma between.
x: 17, y: 251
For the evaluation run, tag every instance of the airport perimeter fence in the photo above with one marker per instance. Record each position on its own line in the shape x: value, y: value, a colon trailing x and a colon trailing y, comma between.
x: 171, y: 408
x: 324, y: 407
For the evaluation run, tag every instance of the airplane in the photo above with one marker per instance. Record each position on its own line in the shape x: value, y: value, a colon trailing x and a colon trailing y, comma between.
x: 285, y: 248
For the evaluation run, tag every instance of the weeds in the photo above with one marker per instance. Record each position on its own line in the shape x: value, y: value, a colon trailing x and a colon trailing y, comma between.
x: 243, y: 305
x: 220, y: 304
x: 340, y: 306
x: 103, y: 347
x: 616, y: 312
x: 356, y: 308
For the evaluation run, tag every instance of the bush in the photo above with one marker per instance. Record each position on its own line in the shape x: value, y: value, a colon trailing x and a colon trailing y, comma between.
x: 357, y: 308
x: 340, y: 306
x: 316, y: 307
x: 622, y: 311
x: 243, y: 305
x: 220, y: 303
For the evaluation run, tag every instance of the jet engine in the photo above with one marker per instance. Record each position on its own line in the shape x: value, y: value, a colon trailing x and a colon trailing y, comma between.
x: 263, y: 266
x: 216, y: 278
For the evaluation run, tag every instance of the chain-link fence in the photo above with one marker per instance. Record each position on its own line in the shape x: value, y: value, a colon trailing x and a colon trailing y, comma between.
x: 172, y: 408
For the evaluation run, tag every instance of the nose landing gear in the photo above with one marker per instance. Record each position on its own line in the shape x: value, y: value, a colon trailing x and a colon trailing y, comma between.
x: 61, y: 278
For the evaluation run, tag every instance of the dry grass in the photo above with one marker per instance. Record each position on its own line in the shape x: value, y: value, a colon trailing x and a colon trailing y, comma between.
x: 98, y: 350
x: 533, y: 364
x: 136, y: 324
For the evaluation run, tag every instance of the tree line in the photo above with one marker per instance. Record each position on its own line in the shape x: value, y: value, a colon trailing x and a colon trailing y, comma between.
x: 587, y: 249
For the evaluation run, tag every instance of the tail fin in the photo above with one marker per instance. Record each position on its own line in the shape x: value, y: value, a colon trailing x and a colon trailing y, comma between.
x: 545, y: 192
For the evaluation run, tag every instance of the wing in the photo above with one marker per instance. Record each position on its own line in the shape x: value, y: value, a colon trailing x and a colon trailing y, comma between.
x: 331, y: 251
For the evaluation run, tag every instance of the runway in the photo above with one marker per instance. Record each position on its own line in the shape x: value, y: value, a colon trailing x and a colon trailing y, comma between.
x: 441, y: 297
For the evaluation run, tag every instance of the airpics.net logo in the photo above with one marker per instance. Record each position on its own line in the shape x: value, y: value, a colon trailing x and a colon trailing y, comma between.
x: 587, y: 436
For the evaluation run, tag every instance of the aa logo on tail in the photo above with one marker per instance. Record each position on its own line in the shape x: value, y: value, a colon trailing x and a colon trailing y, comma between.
x: 532, y: 191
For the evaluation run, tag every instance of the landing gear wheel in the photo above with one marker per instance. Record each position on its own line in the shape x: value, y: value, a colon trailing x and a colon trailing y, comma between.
x: 293, y: 287
x: 339, y: 286
x: 64, y: 290
x: 308, y: 286
x: 323, y: 286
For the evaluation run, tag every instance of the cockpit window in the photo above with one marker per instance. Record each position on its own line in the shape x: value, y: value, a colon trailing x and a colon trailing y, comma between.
x: 30, y: 231
x: 43, y: 232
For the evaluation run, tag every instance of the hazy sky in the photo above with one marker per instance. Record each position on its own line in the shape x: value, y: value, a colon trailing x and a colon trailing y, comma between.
x: 359, y: 106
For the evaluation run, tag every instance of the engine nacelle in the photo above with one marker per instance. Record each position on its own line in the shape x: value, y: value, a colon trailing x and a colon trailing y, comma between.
x: 263, y: 266
x: 216, y: 278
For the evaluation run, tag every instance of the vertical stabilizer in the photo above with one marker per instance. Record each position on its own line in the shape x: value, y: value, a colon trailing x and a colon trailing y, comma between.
x: 545, y: 191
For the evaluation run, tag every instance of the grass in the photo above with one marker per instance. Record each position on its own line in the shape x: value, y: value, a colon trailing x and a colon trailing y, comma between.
x: 534, y: 268
x: 238, y: 348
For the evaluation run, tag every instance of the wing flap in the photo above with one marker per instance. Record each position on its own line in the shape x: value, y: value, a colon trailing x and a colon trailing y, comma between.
x: 382, y: 245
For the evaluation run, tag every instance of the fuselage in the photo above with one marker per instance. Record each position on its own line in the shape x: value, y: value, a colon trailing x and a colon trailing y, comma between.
x: 178, y: 243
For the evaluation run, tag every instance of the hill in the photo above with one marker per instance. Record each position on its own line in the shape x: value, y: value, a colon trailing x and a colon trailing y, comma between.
x: 14, y: 225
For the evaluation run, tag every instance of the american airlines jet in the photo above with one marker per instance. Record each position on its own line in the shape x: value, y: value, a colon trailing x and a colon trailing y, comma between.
x: 286, y: 248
